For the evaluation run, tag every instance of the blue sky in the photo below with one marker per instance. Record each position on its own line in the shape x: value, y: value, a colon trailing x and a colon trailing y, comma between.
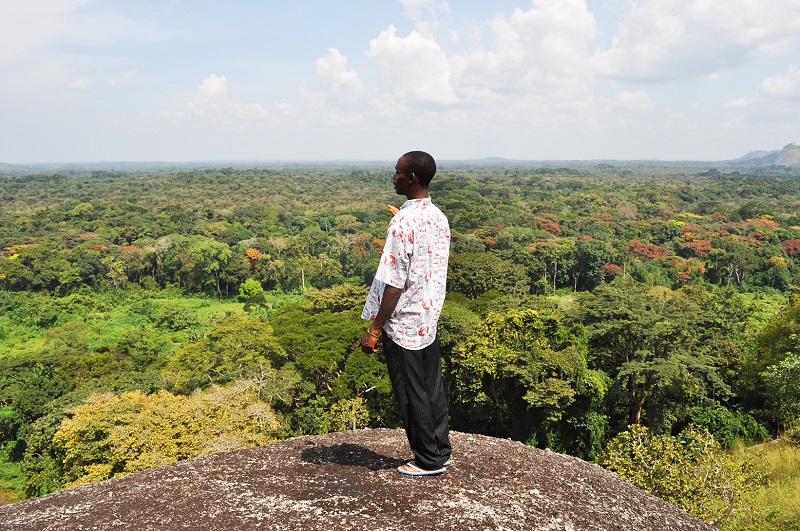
x: 208, y: 80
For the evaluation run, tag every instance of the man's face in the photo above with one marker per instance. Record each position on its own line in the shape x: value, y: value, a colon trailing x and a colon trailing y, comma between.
x: 401, y: 177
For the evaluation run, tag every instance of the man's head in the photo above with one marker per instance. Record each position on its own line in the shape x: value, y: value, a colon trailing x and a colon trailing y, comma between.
x: 413, y: 174
x: 422, y: 165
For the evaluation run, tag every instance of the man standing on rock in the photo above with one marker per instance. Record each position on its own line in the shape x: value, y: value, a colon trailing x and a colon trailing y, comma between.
x: 404, y: 304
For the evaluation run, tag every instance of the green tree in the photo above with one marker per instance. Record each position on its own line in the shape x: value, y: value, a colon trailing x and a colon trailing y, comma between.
x: 236, y: 271
x: 27, y: 386
x: 690, y: 470
x: 365, y: 379
x: 343, y: 298
x: 472, y: 274
x: 349, y: 414
x: 644, y: 338
x: 778, y: 338
x: 250, y: 288
x: 738, y: 261
x: 456, y: 323
x: 524, y: 373
x: 591, y: 256
x: 558, y: 258
x: 782, y: 383
x: 318, y: 343
x: 205, y: 260
x: 234, y: 349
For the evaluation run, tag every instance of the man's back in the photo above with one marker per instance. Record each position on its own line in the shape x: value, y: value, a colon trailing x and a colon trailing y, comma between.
x: 415, y: 260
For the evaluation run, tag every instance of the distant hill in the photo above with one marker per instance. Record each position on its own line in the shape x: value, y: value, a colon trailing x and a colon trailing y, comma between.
x: 788, y: 156
x: 7, y: 167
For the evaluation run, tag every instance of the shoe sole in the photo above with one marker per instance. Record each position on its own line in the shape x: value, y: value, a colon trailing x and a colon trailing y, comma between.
x: 446, y: 463
x: 416, y: 471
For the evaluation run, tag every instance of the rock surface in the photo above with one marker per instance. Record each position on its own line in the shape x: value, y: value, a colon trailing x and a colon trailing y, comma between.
x: 348, y: 481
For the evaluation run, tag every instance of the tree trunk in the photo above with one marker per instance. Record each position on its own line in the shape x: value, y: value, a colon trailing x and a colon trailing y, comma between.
x: 636, y: 410
x: 555, y: 272
x: 636, y: 401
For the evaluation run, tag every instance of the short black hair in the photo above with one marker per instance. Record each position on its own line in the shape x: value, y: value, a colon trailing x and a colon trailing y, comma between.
x: 422, y: 165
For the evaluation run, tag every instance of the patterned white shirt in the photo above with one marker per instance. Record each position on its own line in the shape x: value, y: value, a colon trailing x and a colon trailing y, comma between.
x: 414, y: 259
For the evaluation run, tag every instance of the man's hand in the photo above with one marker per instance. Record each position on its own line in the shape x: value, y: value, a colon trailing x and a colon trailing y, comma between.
x: 389, y: 300
x: 369, y: 343
x: 393, y: 209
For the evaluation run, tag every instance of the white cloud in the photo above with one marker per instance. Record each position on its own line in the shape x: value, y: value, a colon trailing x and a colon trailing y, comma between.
x: 425, y: 14
x: 738, y: 103
x: 337, y: 81
x: 212, y: 102
x: 542, y: 50
x: 672, y: 39
x: 123, y: 79
x: 80, y: 84
x: 638, y: 100
x: 416, y: 67
x: 212, y: 88
x: 782, y: 85
x: 679, y: 120
x: 537, y: 72
x: 342, y: 88
x: 532, y: 77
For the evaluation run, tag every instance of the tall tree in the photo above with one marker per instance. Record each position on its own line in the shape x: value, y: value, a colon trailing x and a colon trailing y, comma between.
x: 472, y: 274
x: 525, y: 372
x: 205, y: 260
x: 643, y: 337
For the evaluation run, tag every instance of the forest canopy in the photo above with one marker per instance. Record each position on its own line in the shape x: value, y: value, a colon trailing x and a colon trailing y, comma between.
x: 581, y: 300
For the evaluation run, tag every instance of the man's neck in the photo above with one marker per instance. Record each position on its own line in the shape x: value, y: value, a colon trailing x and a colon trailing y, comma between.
x: 417, y: 193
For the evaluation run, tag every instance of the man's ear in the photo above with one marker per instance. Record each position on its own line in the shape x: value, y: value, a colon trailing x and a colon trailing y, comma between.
x: 413, y: 176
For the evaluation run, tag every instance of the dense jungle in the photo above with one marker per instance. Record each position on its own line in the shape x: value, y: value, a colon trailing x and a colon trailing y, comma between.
x: 642, y: 316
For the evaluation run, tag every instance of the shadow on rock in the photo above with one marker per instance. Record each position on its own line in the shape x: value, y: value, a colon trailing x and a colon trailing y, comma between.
x: 347, y: 454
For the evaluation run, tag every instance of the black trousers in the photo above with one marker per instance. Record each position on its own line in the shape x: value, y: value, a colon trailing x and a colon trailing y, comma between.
x: 416, y: 377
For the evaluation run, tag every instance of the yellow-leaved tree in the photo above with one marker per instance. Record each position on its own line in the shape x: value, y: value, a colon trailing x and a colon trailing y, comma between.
x: 113, y: 435
x: 689, y: 470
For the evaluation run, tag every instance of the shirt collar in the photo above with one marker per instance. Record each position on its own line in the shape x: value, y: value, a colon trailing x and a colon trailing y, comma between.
x: 411, y: 203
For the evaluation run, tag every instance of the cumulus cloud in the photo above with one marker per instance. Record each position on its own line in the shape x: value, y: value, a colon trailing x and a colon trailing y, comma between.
x: 637, y: 100
x: 425, y: 14
x: 80, y: 84
x: 673, y: 39
x: 537, y: 70
x: 343, y: 88
x: 537, y: 63
x: 337, y: 80
x: 416, y: 67
x: 211, y: 101
x: 123, y: 79
x: 738, y: 103
x: 544, y: 46
x: 539, y: 58
x: 782, y: 85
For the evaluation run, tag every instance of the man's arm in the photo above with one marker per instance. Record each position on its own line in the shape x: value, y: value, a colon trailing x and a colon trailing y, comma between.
x: 391, y: 296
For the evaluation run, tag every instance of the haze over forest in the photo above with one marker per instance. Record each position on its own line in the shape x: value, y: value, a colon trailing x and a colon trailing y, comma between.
x: 788, y: 156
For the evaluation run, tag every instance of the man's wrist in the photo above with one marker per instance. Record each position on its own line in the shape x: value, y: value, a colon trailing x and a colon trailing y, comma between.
x: 373, y: 334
